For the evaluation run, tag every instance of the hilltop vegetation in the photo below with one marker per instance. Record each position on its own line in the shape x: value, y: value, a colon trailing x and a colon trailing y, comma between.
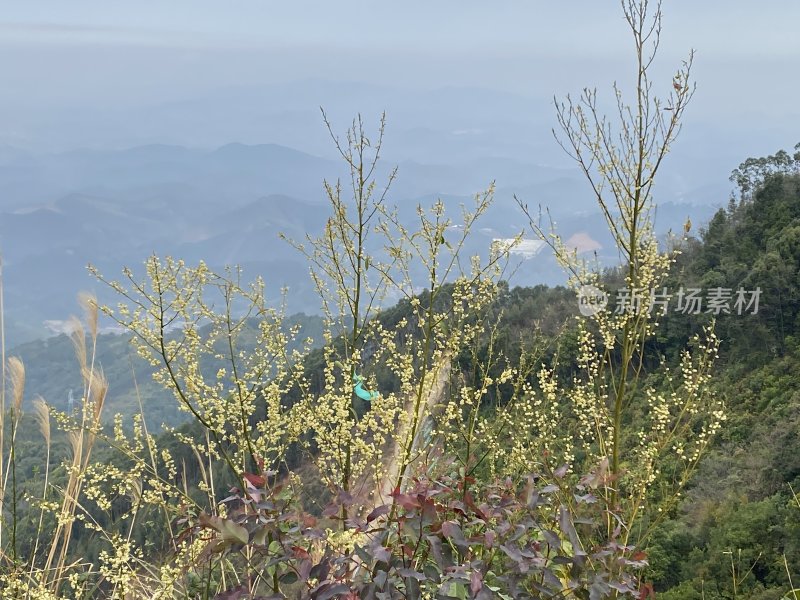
x: 739, y: 508
x: 471, y: 441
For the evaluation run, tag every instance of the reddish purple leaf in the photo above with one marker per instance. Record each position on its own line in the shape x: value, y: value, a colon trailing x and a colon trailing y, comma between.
x: 475, y: 582
x: 378, y: 512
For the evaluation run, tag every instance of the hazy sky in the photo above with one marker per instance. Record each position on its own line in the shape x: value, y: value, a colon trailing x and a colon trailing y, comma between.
x: 734, y: 28
x: 87, y: 54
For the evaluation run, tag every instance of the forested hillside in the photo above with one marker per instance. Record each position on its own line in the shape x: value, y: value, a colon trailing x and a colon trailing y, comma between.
x: 741, y: 519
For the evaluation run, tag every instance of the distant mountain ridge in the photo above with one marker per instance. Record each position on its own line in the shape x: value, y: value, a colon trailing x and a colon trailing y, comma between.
x: 59, y: 212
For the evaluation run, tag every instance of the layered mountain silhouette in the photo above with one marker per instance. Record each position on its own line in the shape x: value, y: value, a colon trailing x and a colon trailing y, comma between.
x: 113, y: 208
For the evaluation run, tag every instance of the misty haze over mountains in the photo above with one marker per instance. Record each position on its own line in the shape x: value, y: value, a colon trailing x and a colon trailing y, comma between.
x: 194, y: 130
x: 227, y: 205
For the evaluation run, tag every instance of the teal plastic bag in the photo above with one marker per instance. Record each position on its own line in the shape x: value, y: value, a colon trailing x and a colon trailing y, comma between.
x: 358, y: 388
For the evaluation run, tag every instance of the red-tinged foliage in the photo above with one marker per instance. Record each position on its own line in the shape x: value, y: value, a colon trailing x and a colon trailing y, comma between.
x: 515, y: 540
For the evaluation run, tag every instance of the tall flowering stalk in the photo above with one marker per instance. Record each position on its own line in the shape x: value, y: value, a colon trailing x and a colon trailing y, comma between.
x: 366, y: 256
x: 636, y: 428
x: 351, y: 294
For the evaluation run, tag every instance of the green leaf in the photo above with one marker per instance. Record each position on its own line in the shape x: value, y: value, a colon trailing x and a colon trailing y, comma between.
x: 260, y: 536
x: 229, y: 531
x: 288, y: 578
